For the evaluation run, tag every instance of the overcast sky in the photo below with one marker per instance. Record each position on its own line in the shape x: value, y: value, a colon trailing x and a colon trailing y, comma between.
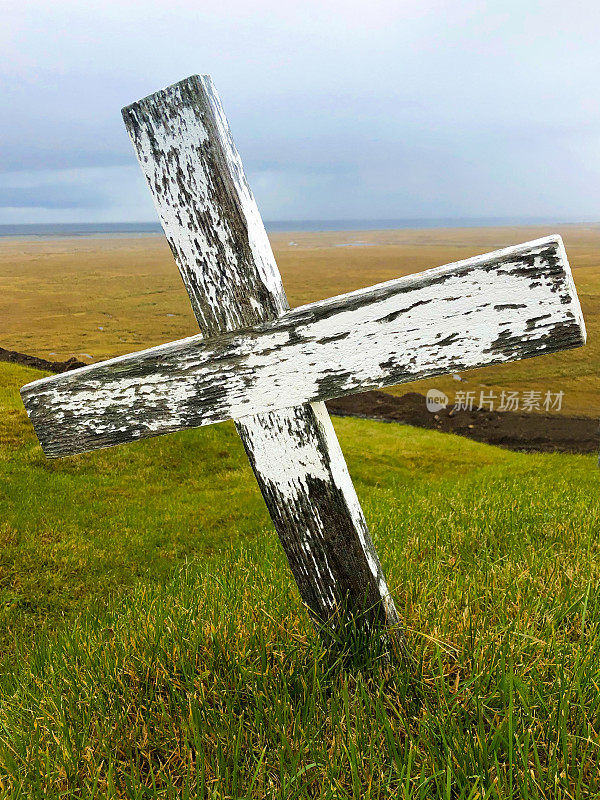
x: 340, y: 110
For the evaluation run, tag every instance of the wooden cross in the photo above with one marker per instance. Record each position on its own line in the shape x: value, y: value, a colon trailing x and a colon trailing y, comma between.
x: 270, y: 369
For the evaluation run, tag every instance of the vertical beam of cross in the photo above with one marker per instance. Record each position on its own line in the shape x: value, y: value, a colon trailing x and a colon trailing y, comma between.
x: 219, y: 243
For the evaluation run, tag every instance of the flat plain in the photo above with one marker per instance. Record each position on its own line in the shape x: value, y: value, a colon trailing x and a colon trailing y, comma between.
x: 97, y: 298
x: 152, y: 640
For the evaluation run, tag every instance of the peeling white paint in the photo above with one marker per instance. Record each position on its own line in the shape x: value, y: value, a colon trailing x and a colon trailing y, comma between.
x: 275, y: 462
x: 174, y: 148
x: 395, y: 332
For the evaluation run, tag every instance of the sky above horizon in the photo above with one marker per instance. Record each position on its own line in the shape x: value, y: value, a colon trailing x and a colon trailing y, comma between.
x: 340, y: 110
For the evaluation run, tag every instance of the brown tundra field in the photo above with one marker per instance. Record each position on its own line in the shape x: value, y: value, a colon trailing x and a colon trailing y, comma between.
x: 97, y: 298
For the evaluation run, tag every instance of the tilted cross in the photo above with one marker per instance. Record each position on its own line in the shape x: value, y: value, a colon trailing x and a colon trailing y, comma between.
x: 270, y: 369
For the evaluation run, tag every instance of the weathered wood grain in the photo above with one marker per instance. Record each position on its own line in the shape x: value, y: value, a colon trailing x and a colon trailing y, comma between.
x: 213, y: 226
x: 514, y: 303
x: 206, y: 207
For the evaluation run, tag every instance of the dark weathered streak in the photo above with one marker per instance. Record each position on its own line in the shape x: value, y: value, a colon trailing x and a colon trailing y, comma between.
x: 220, y: 246
x: 403, y: 330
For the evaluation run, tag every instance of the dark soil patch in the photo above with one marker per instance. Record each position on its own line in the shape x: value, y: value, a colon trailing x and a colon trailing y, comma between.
x: 516, y: 431
x: 39, y: 363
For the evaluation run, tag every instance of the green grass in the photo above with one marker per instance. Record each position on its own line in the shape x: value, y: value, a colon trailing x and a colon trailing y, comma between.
x: 154, y: 644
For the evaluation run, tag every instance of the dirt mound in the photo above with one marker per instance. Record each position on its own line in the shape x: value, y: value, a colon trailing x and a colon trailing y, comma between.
x: 525, y: 431
x: 39, y: 363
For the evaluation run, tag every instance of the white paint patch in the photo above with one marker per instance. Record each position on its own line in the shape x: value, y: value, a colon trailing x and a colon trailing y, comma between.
x: 272, y: 456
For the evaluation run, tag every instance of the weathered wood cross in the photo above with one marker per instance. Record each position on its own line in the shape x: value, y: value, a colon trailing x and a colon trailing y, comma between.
x: 270, y: 369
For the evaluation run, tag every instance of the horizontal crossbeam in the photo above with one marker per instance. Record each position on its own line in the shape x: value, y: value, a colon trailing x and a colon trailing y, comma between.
x: 510, y: 304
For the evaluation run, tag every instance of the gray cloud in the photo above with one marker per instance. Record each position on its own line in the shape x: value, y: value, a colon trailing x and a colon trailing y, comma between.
x: 343, y: 109
x: 51, y: 195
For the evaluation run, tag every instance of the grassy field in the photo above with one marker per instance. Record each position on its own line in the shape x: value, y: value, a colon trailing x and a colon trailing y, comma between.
x: 153, y: 642
x: 96, y: 298
x: 154, y: 645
